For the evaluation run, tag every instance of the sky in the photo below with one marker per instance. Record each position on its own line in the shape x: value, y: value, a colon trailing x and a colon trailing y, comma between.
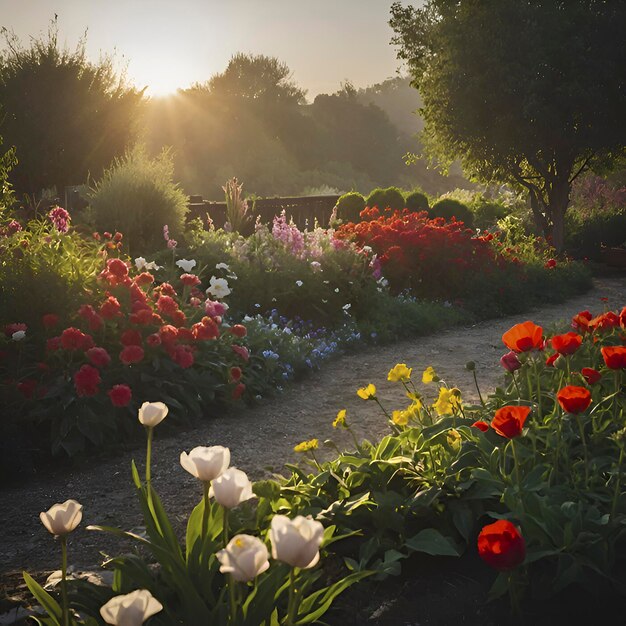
x: 170, y: 44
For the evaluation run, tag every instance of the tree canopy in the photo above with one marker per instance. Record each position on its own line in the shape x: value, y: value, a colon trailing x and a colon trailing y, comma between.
x: 527, y: 92
x: 66, y: 117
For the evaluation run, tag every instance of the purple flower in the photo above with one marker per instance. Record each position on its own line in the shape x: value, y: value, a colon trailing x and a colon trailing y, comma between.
x: 60, y: 219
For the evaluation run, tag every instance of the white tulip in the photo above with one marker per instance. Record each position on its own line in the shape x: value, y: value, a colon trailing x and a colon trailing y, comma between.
x: 296, y: 542
x: 186, y: 265
x: 206, y: 463
x: 132, y: 609
x: 152, y: 413
x: 18, y: 335
x: 231, y: 488
x: 218, y: 287
x: 245, y: 557
x: 61, y: 519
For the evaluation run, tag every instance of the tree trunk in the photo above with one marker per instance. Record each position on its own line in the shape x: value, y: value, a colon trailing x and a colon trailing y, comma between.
x: 559, y: 201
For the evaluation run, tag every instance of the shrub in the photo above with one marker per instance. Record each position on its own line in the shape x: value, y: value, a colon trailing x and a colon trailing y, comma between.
x: 349, y: 207
x: 389, y: 198
x: 417, y: 201
x: 447, y: 208
x: 137, y: 196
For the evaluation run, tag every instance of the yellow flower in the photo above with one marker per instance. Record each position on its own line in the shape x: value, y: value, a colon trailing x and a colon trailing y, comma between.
x: 443, y: 405
x: 429, y: 375
x: 340, y: 420
x: 305, y: 446
x: 367, y: 393
x: 400, y: 418
x: 414, y: 410
x: 399, y: 372
x: 454, y: 439
x: 455, y: 397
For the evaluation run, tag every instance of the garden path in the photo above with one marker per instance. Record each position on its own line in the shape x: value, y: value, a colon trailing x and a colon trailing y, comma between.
x: 261, y: 438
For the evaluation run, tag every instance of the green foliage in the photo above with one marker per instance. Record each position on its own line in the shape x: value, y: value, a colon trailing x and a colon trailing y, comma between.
x: 349, y: 207
x: 417, y: 201
x: 391, y: 198
x: 8, y: 161
x: 539, y: 144
x: 138, y: 197
x: 449, y: 208
x: 66, y: 116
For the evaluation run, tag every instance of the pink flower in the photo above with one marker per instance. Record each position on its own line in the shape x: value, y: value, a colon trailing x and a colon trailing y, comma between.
x: 241, y: 351
x: 510, y: 362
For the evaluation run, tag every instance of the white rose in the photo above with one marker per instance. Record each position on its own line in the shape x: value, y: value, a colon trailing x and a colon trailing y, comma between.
x: 186, y: 265
x: 296, y: 542
x: 231, y: 488
x: 206, y: 463
x: 245, y: 557
x: 132, y: 609
x: 61, y: 519
x: 152, y: 413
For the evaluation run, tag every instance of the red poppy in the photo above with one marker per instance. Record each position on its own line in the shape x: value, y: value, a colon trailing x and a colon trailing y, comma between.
x: 524, y: 337
x: 120, y: 395
x: 131, y: 354
x: 567, y: 344
x: 606, y: 321
x: 551, y: 359
x: 86, y: 381
x: 501, y: 545
x: 580, y: 321
x: 590, y: 375
x: 481, y: 426
x: 614, y: 357
x: 509, y: 421
x: 574, y: 399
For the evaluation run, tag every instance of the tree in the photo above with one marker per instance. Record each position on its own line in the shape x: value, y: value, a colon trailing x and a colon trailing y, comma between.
x: 66, y: 117
x: 527, y: 92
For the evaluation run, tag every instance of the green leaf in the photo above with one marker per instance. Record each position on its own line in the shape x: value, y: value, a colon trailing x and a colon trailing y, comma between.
x: 47, y: 602
x: 432, y: 542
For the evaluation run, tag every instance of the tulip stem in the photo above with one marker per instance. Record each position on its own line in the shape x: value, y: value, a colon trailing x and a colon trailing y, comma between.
x: 205, y: 513
x: 232, y: 599
x: 148, y: 458
x: 66, y: 616
x: 292, y: 609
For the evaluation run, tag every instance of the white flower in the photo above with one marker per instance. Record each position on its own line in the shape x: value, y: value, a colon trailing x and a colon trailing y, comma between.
x: 336, y: 289
x: 18, y: 335
x: 61, y: 519
x: 206, y: 463
x: 231, y: 488
x: 132, y: 609
x: 222, y: 266
x: 345, y: 307
x: 299, y: 283
x: 152, y: 413
x: 141, y: 264
x: 296, y: 542
x: 245, y: 557
x: 316, y: 266
x: 186, y: 265
x: 366, y: 249
x: 218, y: 287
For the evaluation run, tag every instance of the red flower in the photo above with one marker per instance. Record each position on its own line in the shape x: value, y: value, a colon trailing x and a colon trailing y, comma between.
x: 27, y: 387
x: 53, y: 344
x: 241, y: 351
x: 167, y: 305
x: 239, y: 330
x: 190, y: 280
x: 574, y: 399
x: 144, y: 279
x: 131, y: 337
x: 523, y: 337
x: 238, y: 391
x: 510, y: 362
x: 604, y: 322
x: 120, y: 395
x: 131, y: 354
x: 481, y: 426
x: 501, y: 546
x: 550, y: 264
x: 567, y: 344
x: 141, y: 317
x: 551, y: 359
x: 183, y: 356
x: 75, y: 339
x: 235, y: 374
x: 165, y: 289
x: 50, y: 320
x: 168, y: 334
x: 86, y: 381
x: 207, y: 329
x: 11, y: 329
x: 110, y: 308
x: 178, y: 318
x: 590, y: 375
x: 117, y: 267
x: 153, y: 340
x: 98, y: 357
x: 614, y: 357
x: 580, y: 321
x: 509, y: 421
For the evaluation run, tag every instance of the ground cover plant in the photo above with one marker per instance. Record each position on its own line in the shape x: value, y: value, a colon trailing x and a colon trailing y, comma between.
x: 530, y: 479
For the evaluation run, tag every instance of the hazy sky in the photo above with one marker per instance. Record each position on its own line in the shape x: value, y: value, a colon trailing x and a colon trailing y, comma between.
x: 173, y: 43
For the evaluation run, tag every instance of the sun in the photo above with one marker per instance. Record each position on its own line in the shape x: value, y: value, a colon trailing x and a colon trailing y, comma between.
x: 160, y: 79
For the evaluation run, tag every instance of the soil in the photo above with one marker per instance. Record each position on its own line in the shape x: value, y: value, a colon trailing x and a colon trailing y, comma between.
x: 261, y: 440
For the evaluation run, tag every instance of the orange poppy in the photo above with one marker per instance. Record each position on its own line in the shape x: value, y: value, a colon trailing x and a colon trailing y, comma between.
x: 524, y: 337
x: 567, y: 344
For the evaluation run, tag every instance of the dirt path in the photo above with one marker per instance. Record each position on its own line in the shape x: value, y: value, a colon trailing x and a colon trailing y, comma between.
x: 259, y: 437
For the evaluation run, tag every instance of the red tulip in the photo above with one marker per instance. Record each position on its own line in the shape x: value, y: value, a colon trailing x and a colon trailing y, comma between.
x: 501, y: 545
x: 574, y: 399
x: 509, y: 421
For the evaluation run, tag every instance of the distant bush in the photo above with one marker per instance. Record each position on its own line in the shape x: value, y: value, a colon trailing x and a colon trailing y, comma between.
x: 417, y: 201
x: 137, y: 196
x: 389, y: 198
x: 449, y: 208
x: 349, y: 206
